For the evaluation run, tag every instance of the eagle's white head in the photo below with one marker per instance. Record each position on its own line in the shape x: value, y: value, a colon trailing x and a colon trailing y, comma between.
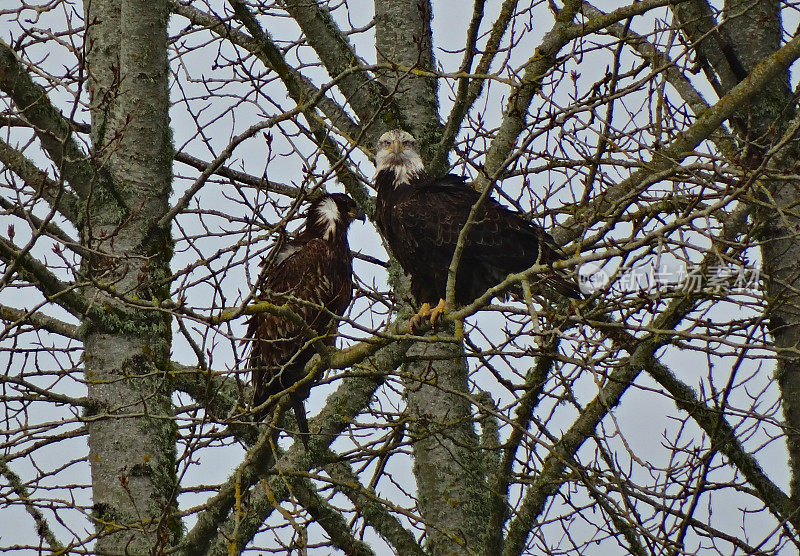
x: 332, y: 212
x: 397, y: 151
x: 327, y: 214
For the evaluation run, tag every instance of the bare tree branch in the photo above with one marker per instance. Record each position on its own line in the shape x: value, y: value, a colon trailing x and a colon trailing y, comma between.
x: 17, y: 317
x: 335, y: 113
x: 470, y: 89
x: 332, y: 152
x: 42, y: 526
x: 51, y: 128
x: 363, y: 94
x: 54, y: 193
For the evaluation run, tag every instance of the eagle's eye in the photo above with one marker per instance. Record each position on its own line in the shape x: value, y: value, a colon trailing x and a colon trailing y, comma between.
x: 408, y: 142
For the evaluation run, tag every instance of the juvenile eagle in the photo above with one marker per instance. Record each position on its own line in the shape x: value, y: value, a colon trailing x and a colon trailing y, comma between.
x: 313, y: 273
x: 421, y: 218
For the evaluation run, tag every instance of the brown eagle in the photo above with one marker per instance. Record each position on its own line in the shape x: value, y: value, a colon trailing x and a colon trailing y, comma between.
x: 421, y: 218
x: 313, y: 274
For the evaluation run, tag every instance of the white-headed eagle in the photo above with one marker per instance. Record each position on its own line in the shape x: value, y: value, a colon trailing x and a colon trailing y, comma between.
x: 421, y: 218
x: 313, y: 274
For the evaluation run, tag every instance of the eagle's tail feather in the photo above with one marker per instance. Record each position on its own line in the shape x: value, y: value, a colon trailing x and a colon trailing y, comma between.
x: 563, y: 285
x: 300, y: 416
x: 556, y: 282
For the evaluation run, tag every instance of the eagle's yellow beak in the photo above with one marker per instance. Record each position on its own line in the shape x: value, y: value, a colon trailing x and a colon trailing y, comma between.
x: 396, y: 147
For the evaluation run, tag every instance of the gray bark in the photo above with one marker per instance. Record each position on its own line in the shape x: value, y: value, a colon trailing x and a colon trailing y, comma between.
x: 338, y: 56
x: 131, y: 426
x: 452, y: 494
x: 781, y: 252
x: 403, y: 38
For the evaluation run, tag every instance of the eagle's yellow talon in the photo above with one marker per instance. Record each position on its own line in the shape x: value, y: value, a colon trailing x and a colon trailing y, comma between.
x: 423, y: 314
x: 437, y: 312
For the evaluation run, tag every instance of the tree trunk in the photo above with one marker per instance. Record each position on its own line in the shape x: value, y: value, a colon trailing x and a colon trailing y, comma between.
x: 451, y: 489
x: 451, y: 481
x: 132, y: 432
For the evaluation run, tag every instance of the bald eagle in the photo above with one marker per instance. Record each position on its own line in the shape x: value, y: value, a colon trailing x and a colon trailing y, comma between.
x: 313, y: 274
x: 421, y: 218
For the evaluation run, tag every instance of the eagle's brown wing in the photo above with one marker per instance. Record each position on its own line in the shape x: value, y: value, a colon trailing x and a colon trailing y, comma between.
x: 427, y: 223
x: 315, y: 281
